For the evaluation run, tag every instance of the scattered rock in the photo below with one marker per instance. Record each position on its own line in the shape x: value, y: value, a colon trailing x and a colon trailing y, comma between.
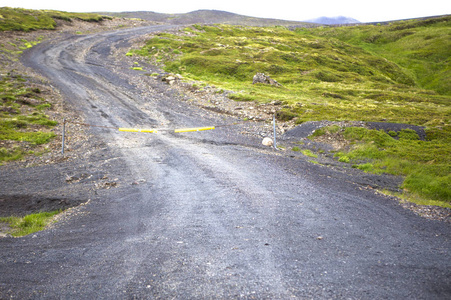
x: 265, y: 79
x: 105, y: 185
x: 171, y: 79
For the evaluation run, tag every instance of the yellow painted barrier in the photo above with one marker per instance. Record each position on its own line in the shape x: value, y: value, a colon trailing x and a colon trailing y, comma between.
x: 176, y: 130
x: 138, y: 130
x: 149, y: 130
x: 193, y: 129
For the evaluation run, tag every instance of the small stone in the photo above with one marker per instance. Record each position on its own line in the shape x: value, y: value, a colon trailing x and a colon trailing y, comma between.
x: 267, y: 142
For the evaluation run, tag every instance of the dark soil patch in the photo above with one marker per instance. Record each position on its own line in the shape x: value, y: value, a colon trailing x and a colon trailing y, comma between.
x: 22, y: 205
x: 397, y: 127
x: 305, y: 129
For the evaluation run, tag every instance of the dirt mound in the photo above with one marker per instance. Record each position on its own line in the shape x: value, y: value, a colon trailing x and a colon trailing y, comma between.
x: 307, y: 128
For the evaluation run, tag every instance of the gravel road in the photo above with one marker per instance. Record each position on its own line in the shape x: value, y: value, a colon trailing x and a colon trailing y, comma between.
x: 206, y: 215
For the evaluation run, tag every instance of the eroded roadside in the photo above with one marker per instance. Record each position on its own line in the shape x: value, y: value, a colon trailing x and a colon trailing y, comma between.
x: 50, y: 180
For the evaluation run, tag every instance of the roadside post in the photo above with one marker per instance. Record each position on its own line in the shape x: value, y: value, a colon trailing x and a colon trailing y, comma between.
x: 274, y: 125
x: 64, y: 132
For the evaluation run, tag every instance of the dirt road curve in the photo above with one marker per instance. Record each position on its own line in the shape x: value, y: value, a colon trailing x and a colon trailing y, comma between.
x: 208, y: 215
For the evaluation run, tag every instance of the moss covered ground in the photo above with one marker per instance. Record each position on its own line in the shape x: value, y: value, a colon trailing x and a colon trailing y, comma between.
x: 18, y: 19
x: 24, y: 106
x: 398, y: 72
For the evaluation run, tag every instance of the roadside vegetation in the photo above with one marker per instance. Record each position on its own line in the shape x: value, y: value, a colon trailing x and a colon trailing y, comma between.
x: 18, y: 19
x: 25, y: 127
x: 425, y: 164
x: 21, y: 226
x: 23, y: 121
x: 398, y: 72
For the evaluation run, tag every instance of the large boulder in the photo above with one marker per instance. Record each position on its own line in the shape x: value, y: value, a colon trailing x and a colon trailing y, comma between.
x: 265, y: 79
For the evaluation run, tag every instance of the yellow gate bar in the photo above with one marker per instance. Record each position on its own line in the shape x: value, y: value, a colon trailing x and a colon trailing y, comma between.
x: 193, y: 129
x: 138, y: 130
x: 149, y: 130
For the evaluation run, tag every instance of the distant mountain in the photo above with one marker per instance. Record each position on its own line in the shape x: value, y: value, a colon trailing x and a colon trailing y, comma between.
x: 334, y: 20
x: 207, y: 17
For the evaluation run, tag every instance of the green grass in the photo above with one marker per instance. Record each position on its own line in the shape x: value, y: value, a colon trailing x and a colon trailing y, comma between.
x: 22, y: 117
x: 306, y: 152
x: 331, y: 78
x: 11, y: 154
x: 421, y: 47
x: 24, y: 124
x: 425, y: 164
x: 398, y: 72
x: 21, y: 226
x: 18, y: 19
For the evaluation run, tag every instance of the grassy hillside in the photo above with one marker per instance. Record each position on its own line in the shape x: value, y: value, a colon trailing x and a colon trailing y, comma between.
x: 389, y: 73
x: 17, y: 19
x: 421, y: 47
x: 25, y: 127
x: 322, y: 78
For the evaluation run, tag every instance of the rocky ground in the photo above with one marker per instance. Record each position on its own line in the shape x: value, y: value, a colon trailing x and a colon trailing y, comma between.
x: 86, y: 172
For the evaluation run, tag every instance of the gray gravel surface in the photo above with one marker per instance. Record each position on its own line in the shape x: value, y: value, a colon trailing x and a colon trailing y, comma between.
x: 207, y: 215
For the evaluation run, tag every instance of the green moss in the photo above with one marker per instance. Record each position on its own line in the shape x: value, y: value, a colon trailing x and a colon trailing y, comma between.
x: 425, y: 164
x: 408, y: 134
x: 343, y: 158
x: 392, y: 133
x: 309, y: 153
x: 17, y: 19
x: 285, y: 115
x: 29, y: 126
x: 21, y: 226
x: 421, y: 48
x: 389, y: 73
x: 11, y: 154
x: 241, y: 97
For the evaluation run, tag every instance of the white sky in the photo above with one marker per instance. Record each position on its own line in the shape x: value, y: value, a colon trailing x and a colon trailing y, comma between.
x: 297, y: 10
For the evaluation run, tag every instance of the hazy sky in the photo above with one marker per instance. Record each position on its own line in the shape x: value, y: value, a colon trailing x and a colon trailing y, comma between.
x: 364, y: 11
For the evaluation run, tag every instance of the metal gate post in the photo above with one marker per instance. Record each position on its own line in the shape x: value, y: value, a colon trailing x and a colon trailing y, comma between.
x: 274, y: 123
x: 64, y: 133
